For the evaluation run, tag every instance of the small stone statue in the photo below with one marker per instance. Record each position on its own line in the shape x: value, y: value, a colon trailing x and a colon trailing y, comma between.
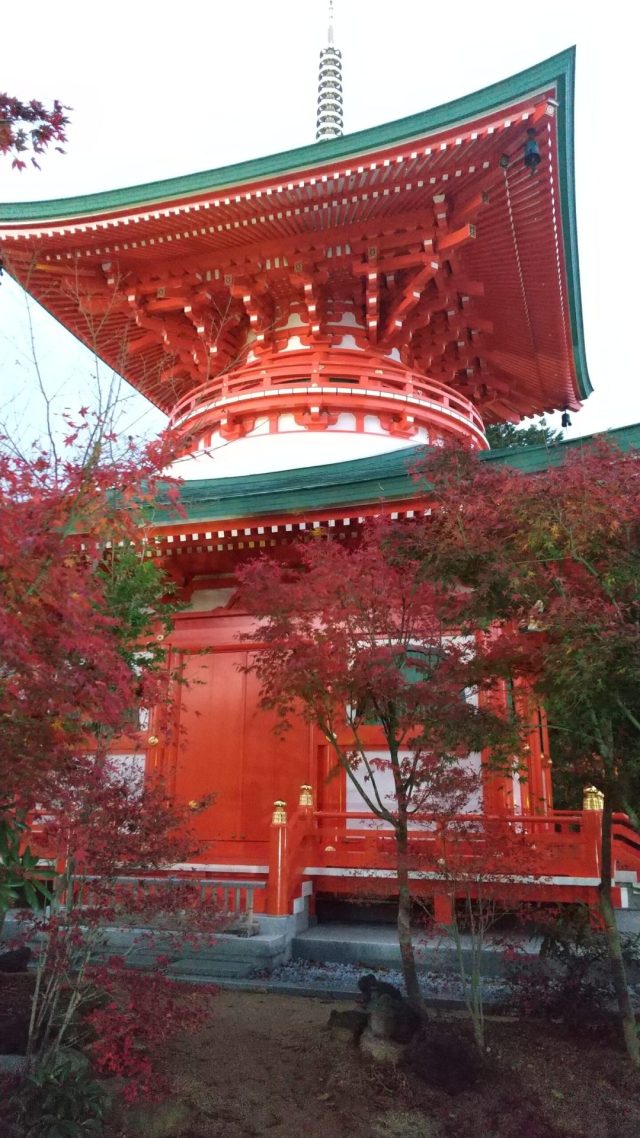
x: 390, y: 1015
x: 370, y: 986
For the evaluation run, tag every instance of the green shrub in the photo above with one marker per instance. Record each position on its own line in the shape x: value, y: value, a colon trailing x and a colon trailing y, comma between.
x: 59, y: 1099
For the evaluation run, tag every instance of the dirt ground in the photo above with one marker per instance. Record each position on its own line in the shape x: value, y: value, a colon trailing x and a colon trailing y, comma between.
x: 266, y: 1065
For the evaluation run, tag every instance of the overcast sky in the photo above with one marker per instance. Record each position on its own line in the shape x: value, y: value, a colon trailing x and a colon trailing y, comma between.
x: 161, y: 90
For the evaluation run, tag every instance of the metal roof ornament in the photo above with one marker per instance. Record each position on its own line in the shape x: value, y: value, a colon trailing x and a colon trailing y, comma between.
x: 532, y: 157
x: 329, y: 123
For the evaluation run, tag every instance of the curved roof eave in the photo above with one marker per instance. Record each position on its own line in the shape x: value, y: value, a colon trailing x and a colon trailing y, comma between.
x: 557, y: 71
x: 357, y: 482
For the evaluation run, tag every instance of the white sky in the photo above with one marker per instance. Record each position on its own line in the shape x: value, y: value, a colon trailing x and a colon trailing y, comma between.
x: 162, y: 89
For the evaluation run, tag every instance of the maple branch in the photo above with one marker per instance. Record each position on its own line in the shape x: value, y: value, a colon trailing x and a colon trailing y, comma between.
x: 41, y: 386
x: 346, y: 766
x: 628, y: 713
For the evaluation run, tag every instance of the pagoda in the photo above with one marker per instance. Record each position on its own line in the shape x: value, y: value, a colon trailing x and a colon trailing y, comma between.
x: 308, y: 321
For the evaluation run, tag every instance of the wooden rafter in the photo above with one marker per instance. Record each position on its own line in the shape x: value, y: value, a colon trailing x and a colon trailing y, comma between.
x: 407, y: 297
x: 372, y: 299
x: 258, y: 305
x: 310, y: 282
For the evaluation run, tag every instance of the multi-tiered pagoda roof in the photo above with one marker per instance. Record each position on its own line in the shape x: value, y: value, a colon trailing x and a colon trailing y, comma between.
x: 424, y: 266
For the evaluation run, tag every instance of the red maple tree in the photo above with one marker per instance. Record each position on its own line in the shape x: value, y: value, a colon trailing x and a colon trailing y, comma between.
x: 83, y: 614
x: 30, y: 127
x: 550, y: 562
x: 353, y: 637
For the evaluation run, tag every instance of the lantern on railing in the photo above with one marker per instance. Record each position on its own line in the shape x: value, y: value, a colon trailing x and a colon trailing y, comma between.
x: 592, y: 798
x: 279, y: 816
x: 306, y: 795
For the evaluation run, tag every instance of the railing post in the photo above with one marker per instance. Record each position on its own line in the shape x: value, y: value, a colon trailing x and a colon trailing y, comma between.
x: 443, y: 909
x: 592, y: 804
x: 277, y: 885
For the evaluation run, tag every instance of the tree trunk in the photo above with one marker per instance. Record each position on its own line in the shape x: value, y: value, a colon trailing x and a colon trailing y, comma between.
x: 616, y: 960
x: 407, y: 954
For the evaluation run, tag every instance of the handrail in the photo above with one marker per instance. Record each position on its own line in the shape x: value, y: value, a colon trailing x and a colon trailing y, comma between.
x: 231, y: 889
x: 359, y: 375
x: 553, y: 816
x: 538, y: 845
x: 142, y: 877
x: 625, y: 834
x: 287, y: 839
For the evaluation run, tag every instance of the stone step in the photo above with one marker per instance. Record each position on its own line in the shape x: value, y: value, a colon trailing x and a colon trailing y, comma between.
x: 229, y: 956
x: 223, y: 955
x: 376, y: 946
x: 628, y: 921
x: 192, y: 968
x: 634, y: 897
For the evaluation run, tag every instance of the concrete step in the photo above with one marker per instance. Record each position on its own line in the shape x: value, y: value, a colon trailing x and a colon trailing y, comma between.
x: 224, y: 955
x: 634, y: 897
x: 341, y: 943
x: 192, y: 968
x: 206, y: 958
x: 628, y: 921
x: 376, y: 946
x: 628, y: 917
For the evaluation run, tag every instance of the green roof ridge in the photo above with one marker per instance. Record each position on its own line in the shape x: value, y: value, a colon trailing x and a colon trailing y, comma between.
x: 533, y: 458
x: 357, y: 482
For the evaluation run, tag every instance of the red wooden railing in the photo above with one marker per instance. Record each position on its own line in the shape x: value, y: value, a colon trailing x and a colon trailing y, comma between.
x: 516, y: 851
x: 626, y: 844
x: 346, y: 370
x: 563, y: 842
x: 523, y: 850
x: 290, y: 845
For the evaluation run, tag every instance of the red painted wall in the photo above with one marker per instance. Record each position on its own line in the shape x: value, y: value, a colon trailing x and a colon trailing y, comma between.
x: 225, y: 745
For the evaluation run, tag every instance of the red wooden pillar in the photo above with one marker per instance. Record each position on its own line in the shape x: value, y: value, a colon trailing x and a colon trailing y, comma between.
x: 331, y: 796
x: 277, y: 901
x: 497, y: 790
x: 306, y: 812
x: 545, y: 761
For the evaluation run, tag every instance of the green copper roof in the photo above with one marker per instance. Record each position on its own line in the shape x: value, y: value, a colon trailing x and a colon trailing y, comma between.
x: 294, y: 492
x: 361, y: 482
x: 532, y: 459
x: 557, y: 70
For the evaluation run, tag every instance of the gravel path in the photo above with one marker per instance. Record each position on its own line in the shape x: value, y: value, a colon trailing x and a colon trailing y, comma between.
x: 343, y: 978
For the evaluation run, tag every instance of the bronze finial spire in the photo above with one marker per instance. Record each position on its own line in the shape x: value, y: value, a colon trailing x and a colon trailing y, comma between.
x: 329, y: 123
